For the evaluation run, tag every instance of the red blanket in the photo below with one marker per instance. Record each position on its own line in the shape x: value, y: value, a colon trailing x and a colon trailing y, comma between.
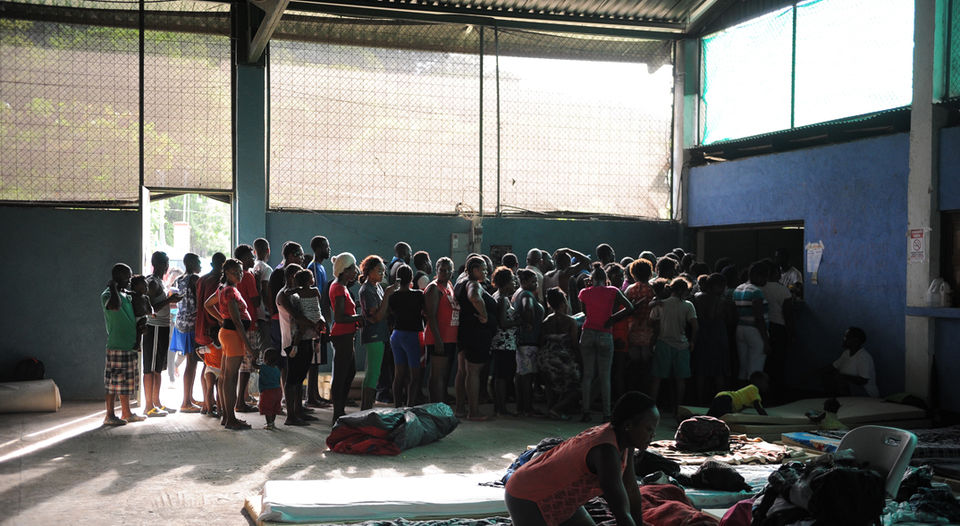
x: 663, y: 505
x: 667, y: 505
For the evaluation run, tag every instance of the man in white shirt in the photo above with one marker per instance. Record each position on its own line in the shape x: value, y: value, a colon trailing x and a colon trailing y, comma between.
x: 779, y: 300
x: 790, y: 277
x: 853, y: 372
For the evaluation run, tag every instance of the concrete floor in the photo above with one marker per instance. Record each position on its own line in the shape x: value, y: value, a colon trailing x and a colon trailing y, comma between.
x: 186, y: 469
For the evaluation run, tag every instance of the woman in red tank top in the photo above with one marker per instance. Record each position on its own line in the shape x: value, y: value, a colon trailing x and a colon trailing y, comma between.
x: 552, y: 488
x: 440, y: 334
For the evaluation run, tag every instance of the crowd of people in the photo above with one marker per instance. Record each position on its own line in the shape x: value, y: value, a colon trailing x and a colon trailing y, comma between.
x: 560, y: 337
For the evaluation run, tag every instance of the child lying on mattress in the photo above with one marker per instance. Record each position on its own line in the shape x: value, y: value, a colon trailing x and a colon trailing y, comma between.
x: 735, y: 401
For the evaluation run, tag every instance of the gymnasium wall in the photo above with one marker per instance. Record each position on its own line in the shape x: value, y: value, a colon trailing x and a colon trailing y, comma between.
x: 850, y: 196
x: 56, y: 264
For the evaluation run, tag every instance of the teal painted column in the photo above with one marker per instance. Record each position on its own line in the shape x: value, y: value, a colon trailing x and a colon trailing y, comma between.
x: 250, y: 118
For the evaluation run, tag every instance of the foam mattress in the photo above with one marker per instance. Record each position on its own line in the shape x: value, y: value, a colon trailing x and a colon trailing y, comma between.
x: 854, y: 410
x: 353, y: 500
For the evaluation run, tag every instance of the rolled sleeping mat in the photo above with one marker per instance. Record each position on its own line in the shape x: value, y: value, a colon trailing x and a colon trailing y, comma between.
x: 29, y: 396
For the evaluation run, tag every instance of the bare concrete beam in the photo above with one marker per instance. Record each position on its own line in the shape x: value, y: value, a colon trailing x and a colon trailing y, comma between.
x: 273, y: 10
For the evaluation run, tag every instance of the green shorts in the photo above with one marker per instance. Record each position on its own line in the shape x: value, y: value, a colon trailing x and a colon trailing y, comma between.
x: 670, y: 361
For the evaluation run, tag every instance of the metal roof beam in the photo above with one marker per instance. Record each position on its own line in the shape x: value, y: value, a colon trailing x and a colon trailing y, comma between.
x: 490, y: 16
x: 273, y: 11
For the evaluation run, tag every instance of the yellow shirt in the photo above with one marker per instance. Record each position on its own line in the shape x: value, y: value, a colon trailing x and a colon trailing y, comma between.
x: 743, y: 397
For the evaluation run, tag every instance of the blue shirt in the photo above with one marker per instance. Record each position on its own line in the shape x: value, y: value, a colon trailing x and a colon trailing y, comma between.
x: 269, y: 377
x: 320, y: 276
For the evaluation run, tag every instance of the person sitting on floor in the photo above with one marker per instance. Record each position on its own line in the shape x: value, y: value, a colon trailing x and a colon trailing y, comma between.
x: 853, y: 372
x: 552, y: 488
x: 735, y: 401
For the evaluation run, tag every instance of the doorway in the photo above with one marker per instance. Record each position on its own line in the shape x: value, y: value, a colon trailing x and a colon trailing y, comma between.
x: 178, y: 222
x: 745, y: 244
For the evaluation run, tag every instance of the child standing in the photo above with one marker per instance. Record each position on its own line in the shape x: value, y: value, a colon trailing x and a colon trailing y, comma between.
x: 269, y: 383
x: 141, y: 305
x: 735, y: 401
x: 671, y: 352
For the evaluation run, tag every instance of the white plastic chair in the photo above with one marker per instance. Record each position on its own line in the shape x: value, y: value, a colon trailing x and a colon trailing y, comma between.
x: 887, y: 450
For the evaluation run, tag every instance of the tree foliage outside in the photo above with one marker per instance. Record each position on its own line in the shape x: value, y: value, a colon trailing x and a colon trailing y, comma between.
x: 209, y: 222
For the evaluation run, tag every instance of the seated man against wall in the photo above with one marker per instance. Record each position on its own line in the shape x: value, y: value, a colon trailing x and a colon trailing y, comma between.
x: 853, y: 372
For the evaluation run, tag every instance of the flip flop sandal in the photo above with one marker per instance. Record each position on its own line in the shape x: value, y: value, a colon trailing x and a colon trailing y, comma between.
x: 167, y: 409
x: 114, y: 422
x: 154, y: 412
x: 190, y: 409
x: 135, y: 418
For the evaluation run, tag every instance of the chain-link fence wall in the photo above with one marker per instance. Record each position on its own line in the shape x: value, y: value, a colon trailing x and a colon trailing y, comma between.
x: 853, y: 57
x: 365, y: 128
x: 372, y: 129
x: 845, y: 58
x: 69, y: 112
x: 953, y: 65
x: 69, y: 105
x: 187, y: 111
x: 745, y: 78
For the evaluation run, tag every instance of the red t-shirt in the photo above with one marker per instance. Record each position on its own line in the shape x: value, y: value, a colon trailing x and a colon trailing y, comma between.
x: 349, y: 308
x: 248, y: 290
x: 223, y: 304
x: 206, y: 286
x: 598, y: 306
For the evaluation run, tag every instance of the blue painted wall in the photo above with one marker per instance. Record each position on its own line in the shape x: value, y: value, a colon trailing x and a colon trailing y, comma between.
x: 852, y: 196
x: 948, y: 330
x: 950, y: 169
x: 56, y: 264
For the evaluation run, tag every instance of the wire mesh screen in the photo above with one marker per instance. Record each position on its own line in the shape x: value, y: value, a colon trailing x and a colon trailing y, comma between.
x: 746, y: 73
x: 68, y: 113
x: 187, y: 111
x: 953, y: 75
x: 853, y: 57
x: 583, y: 136
x: 372, y: 129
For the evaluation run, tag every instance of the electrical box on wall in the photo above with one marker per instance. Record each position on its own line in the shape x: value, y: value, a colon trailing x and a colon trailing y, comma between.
x: 459, y: 247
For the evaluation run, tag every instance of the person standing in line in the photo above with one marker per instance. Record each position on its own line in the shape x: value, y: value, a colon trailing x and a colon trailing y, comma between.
x: 251, y: 295
x: 229, y: 308
x: 672, y: 319
x: 157, y: 336
x: 530, y: 315
x: 183, y: 338
x: 120, y: 369
x: 534, y: 259
x: 345, y: 324
x: 596, y: 341
x: 442, y: 312
x: 374, y: 301
x: 206, y: 331
x: 753, y: 343
x: 423, y: 268
x: 780, y: 304
x: 406, y: 307
x: 321, y: 252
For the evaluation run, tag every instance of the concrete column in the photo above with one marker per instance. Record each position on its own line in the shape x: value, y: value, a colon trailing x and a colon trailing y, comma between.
x: 922, y: 197
x: 250, y: 168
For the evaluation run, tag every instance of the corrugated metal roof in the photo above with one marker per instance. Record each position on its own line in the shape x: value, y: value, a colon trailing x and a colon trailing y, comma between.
x: 665, y: 19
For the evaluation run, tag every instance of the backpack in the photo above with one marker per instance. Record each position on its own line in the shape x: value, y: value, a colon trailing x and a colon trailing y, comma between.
x: 29, y: 369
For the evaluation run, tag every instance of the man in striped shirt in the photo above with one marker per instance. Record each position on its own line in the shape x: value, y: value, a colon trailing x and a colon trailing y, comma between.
x: 753, y: 343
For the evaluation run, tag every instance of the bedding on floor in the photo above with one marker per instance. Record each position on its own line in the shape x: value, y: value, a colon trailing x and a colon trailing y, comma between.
x: 743, y: 450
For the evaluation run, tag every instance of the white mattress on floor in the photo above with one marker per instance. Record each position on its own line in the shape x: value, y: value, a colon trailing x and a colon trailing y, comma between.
x: 362, y: 499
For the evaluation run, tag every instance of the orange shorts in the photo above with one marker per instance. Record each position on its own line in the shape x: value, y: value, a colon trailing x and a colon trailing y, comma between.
x: 231, y: 342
